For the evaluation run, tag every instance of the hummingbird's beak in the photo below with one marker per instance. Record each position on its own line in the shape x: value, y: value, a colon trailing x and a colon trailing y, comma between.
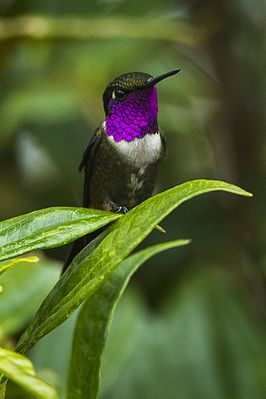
x: 153, y: 81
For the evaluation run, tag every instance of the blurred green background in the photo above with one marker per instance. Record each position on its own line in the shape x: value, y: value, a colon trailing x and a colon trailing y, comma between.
x: 191, y: 324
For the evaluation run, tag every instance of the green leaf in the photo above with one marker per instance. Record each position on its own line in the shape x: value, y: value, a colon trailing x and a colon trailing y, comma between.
x: 49, y: 228
x: 93, y: 321
x: 5, y: 266
x: 89, y: 270
x: 20, y: 370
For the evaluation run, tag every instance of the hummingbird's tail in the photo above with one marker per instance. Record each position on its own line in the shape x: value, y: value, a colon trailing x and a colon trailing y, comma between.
x: 77, y: 246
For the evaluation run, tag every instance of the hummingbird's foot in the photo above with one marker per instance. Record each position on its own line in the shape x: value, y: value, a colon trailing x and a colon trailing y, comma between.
x: 119, y: 209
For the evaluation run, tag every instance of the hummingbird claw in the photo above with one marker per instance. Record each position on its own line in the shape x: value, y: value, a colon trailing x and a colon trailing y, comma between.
x: 119, y: 209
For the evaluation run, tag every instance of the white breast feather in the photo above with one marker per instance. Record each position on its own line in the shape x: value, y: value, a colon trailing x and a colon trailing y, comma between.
x: 139, y: 152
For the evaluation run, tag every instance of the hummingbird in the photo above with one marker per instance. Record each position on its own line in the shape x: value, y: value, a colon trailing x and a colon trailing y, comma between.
x: 121, y: 160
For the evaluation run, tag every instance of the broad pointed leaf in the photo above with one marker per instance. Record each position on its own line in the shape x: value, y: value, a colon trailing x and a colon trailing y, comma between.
x: 20, y: 370
x: 93, y: 321
x: 49, y: 228
x: 86, y: 274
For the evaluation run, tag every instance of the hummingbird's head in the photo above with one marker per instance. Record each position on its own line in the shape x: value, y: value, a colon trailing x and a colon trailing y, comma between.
x: 130, y: 104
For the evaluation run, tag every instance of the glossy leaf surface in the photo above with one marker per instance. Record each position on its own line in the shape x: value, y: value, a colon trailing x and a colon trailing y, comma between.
x: 89, y: 270
x: 20, y: 370
x: 48, y: 228
x: 93, y: 321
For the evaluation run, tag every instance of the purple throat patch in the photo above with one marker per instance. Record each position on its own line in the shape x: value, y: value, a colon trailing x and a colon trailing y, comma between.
x: 134, y: 117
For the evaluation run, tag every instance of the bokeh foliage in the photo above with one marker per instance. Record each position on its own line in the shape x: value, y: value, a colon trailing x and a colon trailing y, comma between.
x: 195, y: 322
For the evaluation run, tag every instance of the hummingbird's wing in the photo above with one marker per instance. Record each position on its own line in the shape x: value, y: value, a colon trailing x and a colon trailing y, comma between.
x: 87, y: 163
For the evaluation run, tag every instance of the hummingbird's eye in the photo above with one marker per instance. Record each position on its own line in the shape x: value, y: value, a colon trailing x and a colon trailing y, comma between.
x: 119, y: 95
